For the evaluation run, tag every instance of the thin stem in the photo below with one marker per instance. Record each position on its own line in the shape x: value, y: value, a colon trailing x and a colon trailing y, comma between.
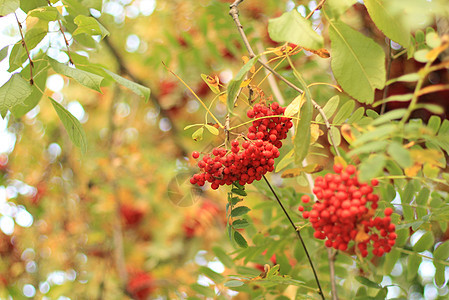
x: 63, y: 35
x: 273, y: 85
x: 298, y: 233
x: 235, y: 16
x: 26, y: 49
x: 415, y: 97
x: 389, y: 61
x: 421, y: 255
x: 319, y: 6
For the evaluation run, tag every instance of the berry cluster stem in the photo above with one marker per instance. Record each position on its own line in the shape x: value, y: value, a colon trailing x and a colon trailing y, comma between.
x: 298, y: 233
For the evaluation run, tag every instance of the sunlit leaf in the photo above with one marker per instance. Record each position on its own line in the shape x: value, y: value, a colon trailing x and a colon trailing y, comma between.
x: 8, y: 6
x: 293, y: 28
x: 72, y: 126
x: 136, y: 88
x: 425, y: 242
x: 356, y: 57
x: 13, y: 93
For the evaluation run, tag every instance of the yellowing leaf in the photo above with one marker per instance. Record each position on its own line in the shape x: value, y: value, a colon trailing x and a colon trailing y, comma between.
x: 347, y: 133
x: 245, y: 60
x: 290, y: 173
x: 340, y: 160
x: 315, y: 133
x: 295, y: 106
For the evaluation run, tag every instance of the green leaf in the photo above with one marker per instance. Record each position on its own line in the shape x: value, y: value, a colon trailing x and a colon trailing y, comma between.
x: 223, y: 257
x: 356, y: 57
x: 239, y: 211
x: 329, y: 109
x: 338, y: 7
x: 239, y: 192
x: 293, y: 28
x: 89, y: 26
x: 400, y: 154
x: 413, y: 262
x: 136, y: 88
x: 440, y: 278
x: 389, y: 116
x: 234, y: 84
x: 336, y: 135
x: 40, y: 79
x: 239, y: 224
x: 442, y: 251
x: 434, y: 123
x: 36, y: 34
x: 390, y: 24
x: 214, y: 276
x: 369, y: 147
x: 365, y: 281
x: 212, y: 129
x: 8, y: 6
x: 234, y: 283
x: 376, y: 134
x: 285, y: 161
x: 27, y: 5
x: 45, y: 13
x: 433, y: 108
x: 372, y: 167
x: 411, y: 77
x: 356, y: 116
x: 72, y: 126
x: 198, y: 134
x: 425, y: 242
x: 344, y: 112
x: 303, y: 135
x: 13, y: 93
x: 390, y: 260
x: 421, y: 200
x: 90, y: 80
x: 398, y: 98
x: 240, y: 240
x: 4, y: 52
x: 203, y: 290
x: 406, y: 198
x: 95, y: 4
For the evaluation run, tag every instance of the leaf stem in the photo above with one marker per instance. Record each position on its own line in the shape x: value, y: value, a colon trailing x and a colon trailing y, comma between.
x: 298, y: 233
x: 63, y: 35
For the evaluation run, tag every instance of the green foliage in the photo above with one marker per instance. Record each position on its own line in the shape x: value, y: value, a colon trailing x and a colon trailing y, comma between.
x: 355, y: 56
x: 293, y: 28
x: 72, y: 125
x: 13, y: 93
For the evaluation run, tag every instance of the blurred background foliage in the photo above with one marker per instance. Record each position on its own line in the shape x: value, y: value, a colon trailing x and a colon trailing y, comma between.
x: 121, y: 220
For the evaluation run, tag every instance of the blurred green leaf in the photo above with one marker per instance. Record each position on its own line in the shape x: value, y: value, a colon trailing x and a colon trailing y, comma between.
x: 239, y: 211
x: 329, y: 109
x: 136, y: 88
x: 344, y: 112
x: 240, y: 240
x: 400, y: 154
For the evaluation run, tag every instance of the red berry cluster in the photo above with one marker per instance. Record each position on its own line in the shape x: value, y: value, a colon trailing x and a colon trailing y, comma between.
x: 251, y: 159
x: 272, y: 129
x: 246, y: 164
x: 345, y: 211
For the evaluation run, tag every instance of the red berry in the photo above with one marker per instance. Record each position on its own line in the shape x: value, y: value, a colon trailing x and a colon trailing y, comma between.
x: 388, y: 211
x: 195, y: 154
x: 305, y: 199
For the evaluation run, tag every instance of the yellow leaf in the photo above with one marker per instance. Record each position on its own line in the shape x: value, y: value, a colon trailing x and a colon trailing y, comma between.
x: 295, y: 106
x: 245, y: 82
x: 315, y: 132
x: 340, y: 160
x: 290, y: 173
x: 313, y: 168
x: 223, y: 98
x: 245, y: 60
x: 413, y: 170
x: 347, y: 133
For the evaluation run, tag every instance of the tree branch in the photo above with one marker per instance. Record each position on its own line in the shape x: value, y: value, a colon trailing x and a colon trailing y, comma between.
x: 26, y: 49
x: 234, y: 12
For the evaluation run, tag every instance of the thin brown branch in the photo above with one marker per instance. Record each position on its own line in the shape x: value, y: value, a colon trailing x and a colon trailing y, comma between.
x: 63, y: 35
x: 385, y: 93
x: 235, y: 16
x: 298, y: 233
x: 26, y: 49
x: 318, y: 7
